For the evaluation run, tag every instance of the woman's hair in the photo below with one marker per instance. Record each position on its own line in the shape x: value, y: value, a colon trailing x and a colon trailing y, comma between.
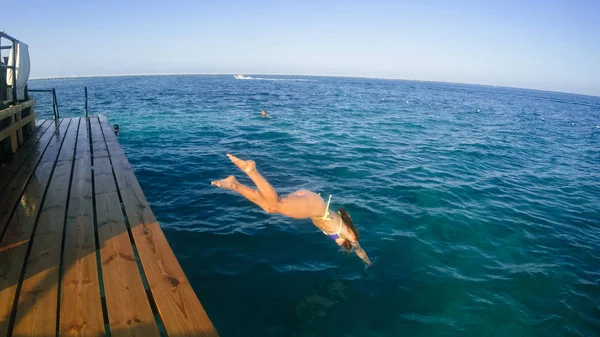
x: 348, y: 221
x: 347, y: 245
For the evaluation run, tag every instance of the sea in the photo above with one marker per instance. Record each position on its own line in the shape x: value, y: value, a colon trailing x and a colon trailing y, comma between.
x: 479, y: 205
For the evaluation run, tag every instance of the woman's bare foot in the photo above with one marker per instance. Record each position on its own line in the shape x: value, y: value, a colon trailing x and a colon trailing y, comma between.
x: 247, y: 166
x: 229, y: 183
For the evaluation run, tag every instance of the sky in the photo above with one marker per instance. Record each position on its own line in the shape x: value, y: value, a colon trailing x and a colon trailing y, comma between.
x: 546, y: 45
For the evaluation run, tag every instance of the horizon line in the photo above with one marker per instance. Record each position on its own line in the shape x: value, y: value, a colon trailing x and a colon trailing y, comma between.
x: 302, y: 75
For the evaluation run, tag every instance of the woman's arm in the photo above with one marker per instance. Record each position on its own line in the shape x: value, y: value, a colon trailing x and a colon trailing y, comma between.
x: 361, y: 253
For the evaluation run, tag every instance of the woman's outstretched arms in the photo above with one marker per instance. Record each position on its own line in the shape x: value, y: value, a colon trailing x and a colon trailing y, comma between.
x: 361, y: 253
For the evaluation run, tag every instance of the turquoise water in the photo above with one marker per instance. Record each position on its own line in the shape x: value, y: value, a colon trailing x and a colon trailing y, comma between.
x: 480, y: 206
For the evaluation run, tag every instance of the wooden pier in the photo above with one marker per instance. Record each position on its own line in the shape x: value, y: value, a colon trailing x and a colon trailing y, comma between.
x: 81, y: 253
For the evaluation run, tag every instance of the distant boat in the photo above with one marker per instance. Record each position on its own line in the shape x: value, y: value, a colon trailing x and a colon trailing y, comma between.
x: 241, y: 77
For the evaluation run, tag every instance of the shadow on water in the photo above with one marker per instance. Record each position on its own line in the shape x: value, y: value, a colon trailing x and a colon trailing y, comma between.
x: 313, y: 308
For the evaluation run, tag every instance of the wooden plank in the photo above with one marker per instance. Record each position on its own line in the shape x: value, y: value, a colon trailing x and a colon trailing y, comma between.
x: 129, y: 312
x: 98, y: 144
x: 179, y: 307
x: 10, y: 195
x: 69, y: 143
x: 180, y: 310
x: 37, y: 304
x: 40, y: 122
x: 80, y: 306
x: 83, y: 151
x: 19, y: 157
x: 14, y: 244
x: 112, y: 142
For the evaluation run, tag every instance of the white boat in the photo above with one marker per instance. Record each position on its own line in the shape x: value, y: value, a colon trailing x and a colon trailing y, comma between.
x: 241, y: 77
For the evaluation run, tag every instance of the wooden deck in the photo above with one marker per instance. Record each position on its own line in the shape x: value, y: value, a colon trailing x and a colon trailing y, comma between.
x: 81, y: 253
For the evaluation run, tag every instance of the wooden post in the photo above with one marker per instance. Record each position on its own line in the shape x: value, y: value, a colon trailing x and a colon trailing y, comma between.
x: 13, y: 136
x: 86, y: 111
x: 32, y: 123
x: 19, y: 127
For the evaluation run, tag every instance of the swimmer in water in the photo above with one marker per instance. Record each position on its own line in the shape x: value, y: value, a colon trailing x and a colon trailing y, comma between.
x: 301, y: 204
x: 264, y: 113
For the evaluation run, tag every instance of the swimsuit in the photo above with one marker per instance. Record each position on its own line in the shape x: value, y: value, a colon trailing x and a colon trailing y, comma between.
x: 335, y: 235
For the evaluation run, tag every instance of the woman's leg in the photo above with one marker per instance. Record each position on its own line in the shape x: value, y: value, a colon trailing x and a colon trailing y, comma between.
x: 230, y: 183
x: 267, y: 191
x: 299, y: 205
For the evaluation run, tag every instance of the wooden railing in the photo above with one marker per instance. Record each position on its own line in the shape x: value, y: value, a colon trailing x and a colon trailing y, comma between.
x: 19, y: 121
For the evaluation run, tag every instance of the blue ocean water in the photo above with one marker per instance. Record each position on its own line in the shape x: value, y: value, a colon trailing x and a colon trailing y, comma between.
x: 480, y: 206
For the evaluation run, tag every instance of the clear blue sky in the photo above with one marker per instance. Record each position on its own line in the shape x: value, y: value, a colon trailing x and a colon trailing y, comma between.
x: 550, y: 45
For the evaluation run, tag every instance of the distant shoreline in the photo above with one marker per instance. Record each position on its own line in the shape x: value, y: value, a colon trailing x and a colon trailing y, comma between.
x: 301, y: 75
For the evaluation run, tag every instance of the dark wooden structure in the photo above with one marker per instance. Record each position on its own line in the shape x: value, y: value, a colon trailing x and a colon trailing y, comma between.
x: 17, y: 122
x: 81, y: 253
x: 17, y: 116
x: 8, y: 91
